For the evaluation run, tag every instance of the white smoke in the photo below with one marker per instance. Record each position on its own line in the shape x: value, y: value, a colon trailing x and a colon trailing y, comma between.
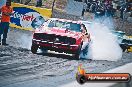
x: 104, y: 45
x: 25, y: 41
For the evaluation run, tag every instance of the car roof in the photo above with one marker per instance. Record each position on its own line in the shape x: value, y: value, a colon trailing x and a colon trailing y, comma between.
x: 66, y: 20
x: 86, y: 22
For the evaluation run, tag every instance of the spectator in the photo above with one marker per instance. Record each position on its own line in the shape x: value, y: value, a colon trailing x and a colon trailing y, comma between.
x: 39, y: 3
x: 122, y: 10
x: 109, y: 8
x: 5, y: 19
x: 86, y: 39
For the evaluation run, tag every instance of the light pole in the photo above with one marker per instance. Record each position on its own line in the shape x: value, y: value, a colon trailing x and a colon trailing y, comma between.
x: 53, y: 6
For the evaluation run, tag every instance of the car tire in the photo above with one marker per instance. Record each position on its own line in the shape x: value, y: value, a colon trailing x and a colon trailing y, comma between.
x: 43, y: 50
x: 123, y: 47
x: 77, y: 55
x: 34, y: 48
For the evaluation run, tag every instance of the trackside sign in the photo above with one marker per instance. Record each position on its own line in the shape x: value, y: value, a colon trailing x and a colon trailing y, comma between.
x: 28, y: 17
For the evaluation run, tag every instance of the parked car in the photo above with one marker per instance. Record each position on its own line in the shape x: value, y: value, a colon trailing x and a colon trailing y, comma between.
x: 124, y: 41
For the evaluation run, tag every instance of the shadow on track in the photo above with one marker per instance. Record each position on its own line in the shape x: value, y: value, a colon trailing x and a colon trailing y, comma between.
x: 61, y: 55
x: 58, y: 55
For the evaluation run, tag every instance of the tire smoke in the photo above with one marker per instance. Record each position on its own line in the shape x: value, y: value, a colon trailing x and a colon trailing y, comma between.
x: 25, y: 41
x: 104, y: 45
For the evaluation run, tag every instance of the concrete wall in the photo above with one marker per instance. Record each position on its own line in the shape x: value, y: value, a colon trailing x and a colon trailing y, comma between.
x: 74, y: 7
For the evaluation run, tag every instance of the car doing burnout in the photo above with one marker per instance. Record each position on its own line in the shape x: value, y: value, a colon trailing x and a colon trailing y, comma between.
x: 59, y: 35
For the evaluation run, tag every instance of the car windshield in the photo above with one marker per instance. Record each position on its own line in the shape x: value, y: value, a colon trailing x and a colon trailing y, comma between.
x: 68, y: 25
x: 120, y: 34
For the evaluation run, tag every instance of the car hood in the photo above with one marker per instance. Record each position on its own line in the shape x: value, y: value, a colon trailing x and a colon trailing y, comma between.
x: 59, y: 31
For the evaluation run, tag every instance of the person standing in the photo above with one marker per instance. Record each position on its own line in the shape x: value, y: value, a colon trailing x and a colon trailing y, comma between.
x: 6, y: 11
x: 86, y: 41
x: 39, y: 3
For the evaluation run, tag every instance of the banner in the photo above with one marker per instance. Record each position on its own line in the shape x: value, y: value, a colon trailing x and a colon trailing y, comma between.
x: 28, y: 17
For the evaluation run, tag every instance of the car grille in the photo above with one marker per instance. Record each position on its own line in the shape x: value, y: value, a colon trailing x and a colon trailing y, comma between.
x: 55, y: 38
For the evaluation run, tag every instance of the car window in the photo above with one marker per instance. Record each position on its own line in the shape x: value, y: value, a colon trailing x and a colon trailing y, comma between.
x: 37, y: 22
x: 62, y: 25
x: 55, y: 23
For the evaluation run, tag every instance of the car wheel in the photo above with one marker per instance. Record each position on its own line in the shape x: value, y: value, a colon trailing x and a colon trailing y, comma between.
x: 77, y: 55
x: 124, y: 47
x: 80, y: 79
x: 43, y: 50
x: 34, y: 48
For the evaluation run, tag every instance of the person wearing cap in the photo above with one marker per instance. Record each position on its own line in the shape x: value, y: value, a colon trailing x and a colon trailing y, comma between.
x: 6, y: 11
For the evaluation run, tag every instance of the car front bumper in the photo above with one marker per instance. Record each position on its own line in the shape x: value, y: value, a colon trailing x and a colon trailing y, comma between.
x: 59, y: 47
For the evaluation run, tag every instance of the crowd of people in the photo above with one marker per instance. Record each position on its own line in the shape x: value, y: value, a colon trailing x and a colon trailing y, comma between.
x: 99, y: 7
x: 107, y: 7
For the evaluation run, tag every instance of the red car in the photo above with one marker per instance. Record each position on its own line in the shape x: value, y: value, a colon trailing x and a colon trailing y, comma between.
x: 59, y: 35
